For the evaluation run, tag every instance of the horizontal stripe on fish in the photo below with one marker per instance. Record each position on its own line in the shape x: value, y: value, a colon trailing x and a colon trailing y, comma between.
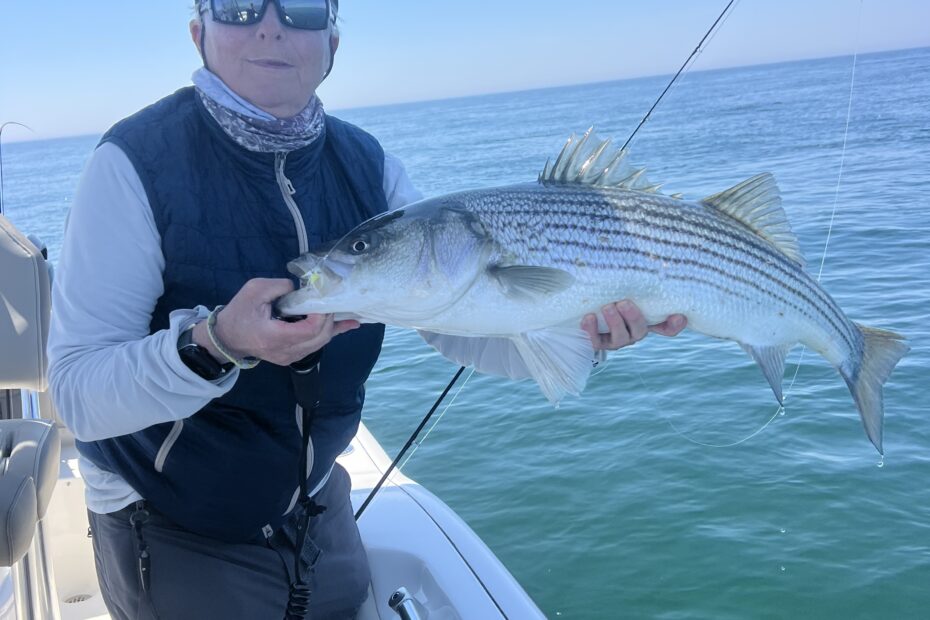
x: 671, y: 276
x: 795, y: 279
x: 795, y: 282
x: 808, y: 309
x: 672, y: 218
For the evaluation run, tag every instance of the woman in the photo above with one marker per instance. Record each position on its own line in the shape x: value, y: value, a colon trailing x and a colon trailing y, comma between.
x: 191, y: 448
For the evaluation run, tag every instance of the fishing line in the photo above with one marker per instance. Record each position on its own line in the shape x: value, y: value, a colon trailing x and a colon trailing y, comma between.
x: 681, y: 433
x: 839, y: 178
x: 697, y: 50
x: 823, y: 258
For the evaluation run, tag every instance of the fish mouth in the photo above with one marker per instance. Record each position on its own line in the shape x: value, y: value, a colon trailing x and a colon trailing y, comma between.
x: 321, y: 276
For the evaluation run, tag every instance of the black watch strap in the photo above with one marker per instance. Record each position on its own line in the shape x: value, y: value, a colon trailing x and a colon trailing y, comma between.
x: 198, y: 359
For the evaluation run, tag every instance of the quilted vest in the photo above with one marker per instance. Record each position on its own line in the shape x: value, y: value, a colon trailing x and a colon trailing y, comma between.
x: 230, y: 470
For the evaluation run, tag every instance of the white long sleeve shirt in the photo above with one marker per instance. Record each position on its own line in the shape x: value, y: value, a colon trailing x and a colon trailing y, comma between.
x: 108, y: 375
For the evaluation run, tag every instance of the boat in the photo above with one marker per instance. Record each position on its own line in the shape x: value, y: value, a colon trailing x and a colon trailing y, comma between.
x: 426, y: 562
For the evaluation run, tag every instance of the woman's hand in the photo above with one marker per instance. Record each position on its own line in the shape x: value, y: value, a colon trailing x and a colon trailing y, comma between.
x: 627, y: 326
x: 245, y: 327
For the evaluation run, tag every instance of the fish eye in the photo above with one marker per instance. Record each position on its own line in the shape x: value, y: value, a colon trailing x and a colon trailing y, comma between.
x: 360, y: 245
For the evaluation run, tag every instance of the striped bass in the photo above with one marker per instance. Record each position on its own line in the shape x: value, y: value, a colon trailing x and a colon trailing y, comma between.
x: 499, y: 278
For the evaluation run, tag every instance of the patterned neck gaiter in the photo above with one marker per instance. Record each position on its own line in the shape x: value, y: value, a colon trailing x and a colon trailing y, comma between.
x: 251, y: 127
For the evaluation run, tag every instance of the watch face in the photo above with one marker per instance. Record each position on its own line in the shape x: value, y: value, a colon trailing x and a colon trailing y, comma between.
x: 199, y: 359
x: 187, y: 337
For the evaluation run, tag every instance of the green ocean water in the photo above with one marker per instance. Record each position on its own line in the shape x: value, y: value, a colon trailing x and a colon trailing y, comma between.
x: 674, y: 488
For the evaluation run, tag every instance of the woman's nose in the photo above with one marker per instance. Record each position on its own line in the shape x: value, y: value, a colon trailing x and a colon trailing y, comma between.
x: 270, y: 26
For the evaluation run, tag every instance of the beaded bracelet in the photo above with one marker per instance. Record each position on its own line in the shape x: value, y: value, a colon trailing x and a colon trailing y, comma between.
x: 246, y: 362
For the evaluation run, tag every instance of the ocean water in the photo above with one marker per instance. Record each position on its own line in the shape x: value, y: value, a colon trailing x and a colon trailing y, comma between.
x: 674, y: 488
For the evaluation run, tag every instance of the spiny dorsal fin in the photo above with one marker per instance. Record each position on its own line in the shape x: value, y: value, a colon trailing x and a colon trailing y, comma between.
x: 756, y: 203
x: 589, y: 161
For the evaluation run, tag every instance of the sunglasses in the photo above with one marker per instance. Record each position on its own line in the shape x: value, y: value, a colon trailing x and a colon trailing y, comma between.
x: 300, y: 14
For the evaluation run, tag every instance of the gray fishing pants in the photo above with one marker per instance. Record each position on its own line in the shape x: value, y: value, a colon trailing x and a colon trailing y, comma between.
x: 193, y: 576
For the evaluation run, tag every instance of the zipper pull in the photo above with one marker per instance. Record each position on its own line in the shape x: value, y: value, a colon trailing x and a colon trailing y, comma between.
x: 279, y: 159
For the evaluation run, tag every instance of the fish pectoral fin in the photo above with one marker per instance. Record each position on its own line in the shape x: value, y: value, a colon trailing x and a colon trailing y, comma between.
x: 530, y: 282
x: 558, y: 358
x: 492, y: 356
x: 772, y: 362
x: 756, y: 203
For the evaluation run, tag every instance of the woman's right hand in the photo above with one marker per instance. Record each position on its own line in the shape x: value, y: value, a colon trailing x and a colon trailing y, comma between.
x: 245, y: 326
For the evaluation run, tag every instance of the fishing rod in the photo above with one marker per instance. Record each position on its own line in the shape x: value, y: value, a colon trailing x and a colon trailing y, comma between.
x: 694, y: 53
x: 2, y: 127
x: 409, y: 443
x: 461, y: 369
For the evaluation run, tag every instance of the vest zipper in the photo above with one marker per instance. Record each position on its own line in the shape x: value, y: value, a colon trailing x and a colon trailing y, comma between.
x: 303, y: 246
x: 167, y: 444
x: 288, y: 191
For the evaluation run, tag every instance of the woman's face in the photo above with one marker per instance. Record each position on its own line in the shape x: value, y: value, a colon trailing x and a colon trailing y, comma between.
x: 270, y: 65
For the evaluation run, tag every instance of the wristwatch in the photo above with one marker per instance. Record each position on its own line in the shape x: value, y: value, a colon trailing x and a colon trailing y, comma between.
x: 198, y: 359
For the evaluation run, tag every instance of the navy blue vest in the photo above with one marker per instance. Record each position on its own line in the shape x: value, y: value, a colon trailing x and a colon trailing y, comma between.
x: 232, y: 469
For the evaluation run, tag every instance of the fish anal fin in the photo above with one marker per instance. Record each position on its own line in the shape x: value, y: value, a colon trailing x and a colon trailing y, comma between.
x: 530, y: 282
x: 771, y: 359
x: 756, y: 203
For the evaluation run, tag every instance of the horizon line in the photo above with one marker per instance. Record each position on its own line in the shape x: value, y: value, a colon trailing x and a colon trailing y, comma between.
x: 387, y: 104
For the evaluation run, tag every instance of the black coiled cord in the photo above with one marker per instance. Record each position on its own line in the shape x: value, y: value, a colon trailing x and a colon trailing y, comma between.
x: 307, y: 386
x: 298, y: 601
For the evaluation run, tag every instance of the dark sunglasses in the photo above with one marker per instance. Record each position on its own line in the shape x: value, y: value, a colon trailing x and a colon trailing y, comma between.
x: 301, y: 14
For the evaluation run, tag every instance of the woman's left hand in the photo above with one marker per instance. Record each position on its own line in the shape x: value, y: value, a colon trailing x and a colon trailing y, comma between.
x: 627, y: 326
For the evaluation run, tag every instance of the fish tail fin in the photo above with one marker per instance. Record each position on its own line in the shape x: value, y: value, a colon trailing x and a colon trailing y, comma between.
x: 881, y: 351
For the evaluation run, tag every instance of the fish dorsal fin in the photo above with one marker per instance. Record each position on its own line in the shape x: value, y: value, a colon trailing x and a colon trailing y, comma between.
x: 589, y: 160
x: 756, y: 202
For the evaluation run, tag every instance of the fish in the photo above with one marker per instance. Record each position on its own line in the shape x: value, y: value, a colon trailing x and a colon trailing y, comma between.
x: 499, y: 278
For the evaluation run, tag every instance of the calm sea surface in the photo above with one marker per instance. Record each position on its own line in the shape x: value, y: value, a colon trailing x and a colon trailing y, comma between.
x: 644, y: 498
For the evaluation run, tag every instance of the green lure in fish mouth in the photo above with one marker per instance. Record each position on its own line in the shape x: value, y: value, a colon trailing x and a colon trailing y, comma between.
x: 321, y: 276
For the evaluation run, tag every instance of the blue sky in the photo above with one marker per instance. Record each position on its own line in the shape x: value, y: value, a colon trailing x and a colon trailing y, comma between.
x: 72, y: 68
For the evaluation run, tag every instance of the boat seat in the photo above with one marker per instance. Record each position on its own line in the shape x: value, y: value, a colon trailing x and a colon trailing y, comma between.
x: 29, y: 451
x: 25, y: 303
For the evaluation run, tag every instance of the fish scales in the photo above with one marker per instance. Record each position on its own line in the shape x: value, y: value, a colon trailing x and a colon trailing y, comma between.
x: 499, y: 278
x: 654, y: 227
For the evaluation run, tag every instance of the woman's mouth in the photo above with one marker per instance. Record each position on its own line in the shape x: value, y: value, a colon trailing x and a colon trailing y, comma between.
x: 271, y: 63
